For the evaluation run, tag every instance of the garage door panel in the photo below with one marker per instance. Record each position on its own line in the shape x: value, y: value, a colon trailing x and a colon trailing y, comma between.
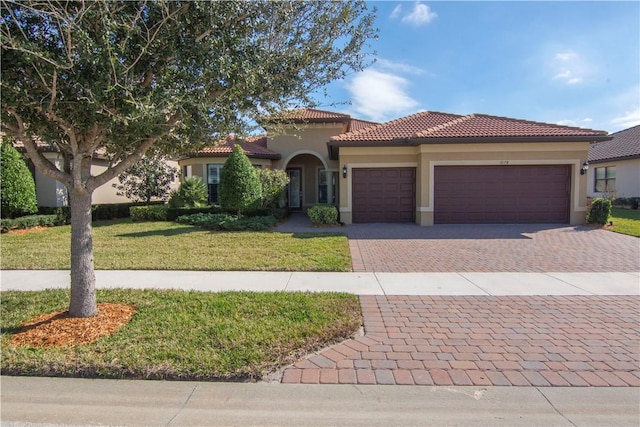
x: 383, y: 194
x: 501, y: 194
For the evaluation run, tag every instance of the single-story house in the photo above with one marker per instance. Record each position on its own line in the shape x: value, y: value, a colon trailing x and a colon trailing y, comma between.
x: 51, y: 193
x: 426, y: 168
x: 615, y: 165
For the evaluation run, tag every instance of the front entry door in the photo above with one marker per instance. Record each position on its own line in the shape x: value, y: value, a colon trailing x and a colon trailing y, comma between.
x: 295, y: 188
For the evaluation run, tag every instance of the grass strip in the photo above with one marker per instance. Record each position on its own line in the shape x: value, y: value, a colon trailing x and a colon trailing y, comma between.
x: 625, y: 221
x: 126, y: 245
x: 178, y: 335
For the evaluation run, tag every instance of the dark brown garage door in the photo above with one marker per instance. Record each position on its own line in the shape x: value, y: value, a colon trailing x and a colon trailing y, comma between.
x: 384, y: 194
x: 501, y: 194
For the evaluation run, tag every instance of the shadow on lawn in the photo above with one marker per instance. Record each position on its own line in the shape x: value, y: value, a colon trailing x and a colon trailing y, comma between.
x: 162, y: 233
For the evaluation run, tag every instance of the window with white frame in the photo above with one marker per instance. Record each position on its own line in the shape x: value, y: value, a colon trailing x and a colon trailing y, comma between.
x: 605, y: 179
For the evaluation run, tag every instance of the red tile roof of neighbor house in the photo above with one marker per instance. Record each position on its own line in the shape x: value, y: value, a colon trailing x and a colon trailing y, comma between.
x: 253, y: 147
x: 314, y: 115
x: 624, y: 144
x: 442, y: 127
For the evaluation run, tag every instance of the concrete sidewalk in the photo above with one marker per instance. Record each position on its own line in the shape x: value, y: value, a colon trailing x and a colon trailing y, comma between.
x: 496, y: 284
x: 58, y: 401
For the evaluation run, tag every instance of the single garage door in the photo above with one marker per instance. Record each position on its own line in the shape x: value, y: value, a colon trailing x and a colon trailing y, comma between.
x: 383, y: 194
x: 501, y: 194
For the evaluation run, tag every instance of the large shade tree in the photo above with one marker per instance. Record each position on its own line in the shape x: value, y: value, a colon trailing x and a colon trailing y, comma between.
x: 125, y: 77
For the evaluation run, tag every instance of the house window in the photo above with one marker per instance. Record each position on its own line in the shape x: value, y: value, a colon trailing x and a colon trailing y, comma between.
x: 322, y: 186
x: 605, y: 179
x: 213, y: 182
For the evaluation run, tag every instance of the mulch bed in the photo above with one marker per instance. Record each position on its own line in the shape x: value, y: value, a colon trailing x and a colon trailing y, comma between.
x: 57, y: 329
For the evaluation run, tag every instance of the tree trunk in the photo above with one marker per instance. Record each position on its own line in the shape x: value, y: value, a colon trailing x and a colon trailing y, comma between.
x: 83, y: 279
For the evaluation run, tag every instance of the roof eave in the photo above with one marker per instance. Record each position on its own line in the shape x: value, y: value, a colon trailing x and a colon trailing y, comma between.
x: 616, y: 159
x: 274, y: 156
x: 504, y: 139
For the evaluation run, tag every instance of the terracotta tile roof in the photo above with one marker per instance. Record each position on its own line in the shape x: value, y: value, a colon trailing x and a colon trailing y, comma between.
x: 625, y: 144
x: 253, y: 147
x: 437, y: 126
x: 482, y: 125
x: 312, y: 115
x: 357, y: 125
x: 405, y: 127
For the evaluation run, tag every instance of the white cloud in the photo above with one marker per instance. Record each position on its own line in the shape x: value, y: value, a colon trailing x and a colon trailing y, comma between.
x: 575, y: 123
x: 399, y: 67
x: 380, y: 96
x: 629, y: 119
x: 569, y: 67
x: 566, y: 56
x: 396, y: 12
x: 421, y: 14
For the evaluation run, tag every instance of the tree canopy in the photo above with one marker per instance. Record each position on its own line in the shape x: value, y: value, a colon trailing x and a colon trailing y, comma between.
x: 125, y: 77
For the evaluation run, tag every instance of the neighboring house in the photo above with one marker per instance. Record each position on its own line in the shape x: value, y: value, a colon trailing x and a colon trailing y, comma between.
x: 615, y: 165
x: 425, y: 168
x: 51, y: 193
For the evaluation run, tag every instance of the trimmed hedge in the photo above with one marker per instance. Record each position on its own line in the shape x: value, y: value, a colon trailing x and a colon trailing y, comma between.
x: 29, y: 222
x: 627, y: 202
x: 323, y: 214
x: 228, y: 222
x: 174, y: 213
x: 149, y: 213
x: 98, y: 212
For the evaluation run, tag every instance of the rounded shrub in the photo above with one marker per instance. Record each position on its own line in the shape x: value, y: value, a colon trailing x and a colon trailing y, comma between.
x: 599, y: 211
x: 323, y: 214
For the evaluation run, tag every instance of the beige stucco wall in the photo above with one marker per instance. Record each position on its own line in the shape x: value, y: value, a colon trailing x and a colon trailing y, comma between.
x: 309, y: 139
x: 52, y: 193
x: 627, y: 178
x: 426, y: 157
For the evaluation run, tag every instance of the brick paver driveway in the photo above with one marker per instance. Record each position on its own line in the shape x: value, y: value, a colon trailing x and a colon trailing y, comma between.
x: 484, y: 340
x: 493, y: 248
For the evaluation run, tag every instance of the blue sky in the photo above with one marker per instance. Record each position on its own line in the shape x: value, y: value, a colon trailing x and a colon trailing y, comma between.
x: 572, y: 63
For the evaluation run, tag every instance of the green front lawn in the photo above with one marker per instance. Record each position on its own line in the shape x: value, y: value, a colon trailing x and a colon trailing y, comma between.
x: 625, y: 221
x: 184, y: 335
x: 126, y: 245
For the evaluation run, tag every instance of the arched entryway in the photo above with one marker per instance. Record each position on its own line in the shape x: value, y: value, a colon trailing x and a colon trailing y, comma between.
x: 311, y: 181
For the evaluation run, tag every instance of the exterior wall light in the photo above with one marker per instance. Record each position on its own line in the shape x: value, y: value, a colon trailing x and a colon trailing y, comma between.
x: 344, y: 171
x: 584, y: 168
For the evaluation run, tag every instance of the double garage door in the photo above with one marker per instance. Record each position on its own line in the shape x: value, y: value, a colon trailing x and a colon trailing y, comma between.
x: 466, y: 194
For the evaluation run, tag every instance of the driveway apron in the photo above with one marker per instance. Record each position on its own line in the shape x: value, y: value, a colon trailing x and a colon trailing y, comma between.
x: 483, y: 340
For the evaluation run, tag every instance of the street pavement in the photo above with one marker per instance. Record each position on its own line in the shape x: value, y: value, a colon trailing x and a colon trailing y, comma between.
x: 84, y: 402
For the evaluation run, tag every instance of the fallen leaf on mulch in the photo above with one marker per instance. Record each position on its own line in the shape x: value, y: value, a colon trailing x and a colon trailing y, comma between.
x: 59, y: 330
